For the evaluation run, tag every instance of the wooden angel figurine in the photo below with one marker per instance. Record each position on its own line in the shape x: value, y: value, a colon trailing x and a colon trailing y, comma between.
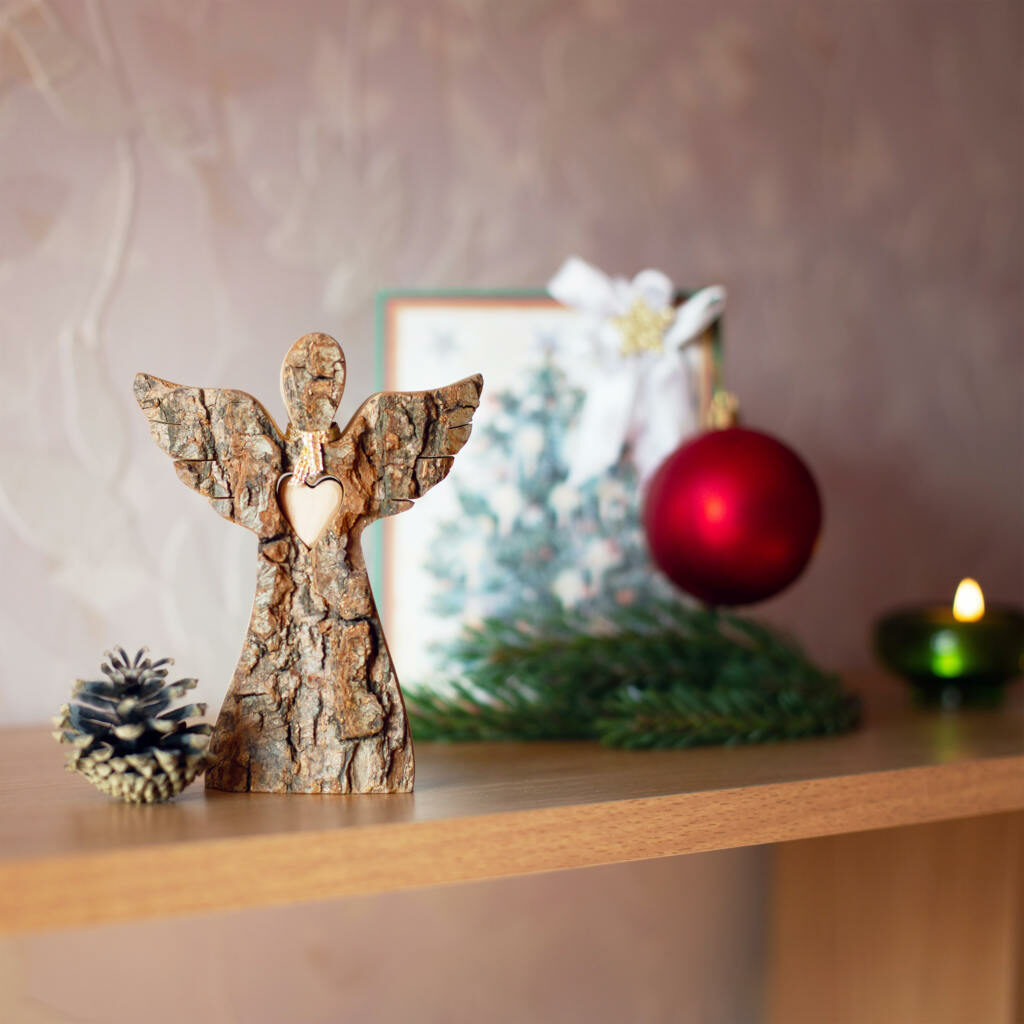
x: 314, y: 705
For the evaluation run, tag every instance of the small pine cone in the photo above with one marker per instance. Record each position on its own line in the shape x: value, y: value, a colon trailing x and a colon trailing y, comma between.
x: 124, y: 740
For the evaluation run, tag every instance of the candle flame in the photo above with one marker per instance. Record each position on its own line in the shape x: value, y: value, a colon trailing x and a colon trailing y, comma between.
x: 968, y: 602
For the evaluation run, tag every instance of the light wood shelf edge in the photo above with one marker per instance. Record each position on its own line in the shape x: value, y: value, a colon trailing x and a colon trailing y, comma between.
x: 124, y: 884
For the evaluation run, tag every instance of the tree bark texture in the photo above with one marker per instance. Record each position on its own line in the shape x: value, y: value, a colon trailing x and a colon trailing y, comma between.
x: 314, y: 705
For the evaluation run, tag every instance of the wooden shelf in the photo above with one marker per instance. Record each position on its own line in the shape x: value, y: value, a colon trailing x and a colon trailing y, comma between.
x: 69, y: 856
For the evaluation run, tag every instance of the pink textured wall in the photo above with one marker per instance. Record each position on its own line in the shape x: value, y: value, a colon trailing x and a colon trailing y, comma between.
x: 188, y: 186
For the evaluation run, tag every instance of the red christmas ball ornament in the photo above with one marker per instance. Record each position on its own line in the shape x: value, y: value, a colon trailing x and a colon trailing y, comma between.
x: 732, y: 516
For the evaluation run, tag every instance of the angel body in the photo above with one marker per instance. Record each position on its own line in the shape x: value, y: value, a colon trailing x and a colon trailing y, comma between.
x: 314, y: 704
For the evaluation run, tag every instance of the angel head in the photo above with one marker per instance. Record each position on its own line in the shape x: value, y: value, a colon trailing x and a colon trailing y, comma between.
x: 313, y: 381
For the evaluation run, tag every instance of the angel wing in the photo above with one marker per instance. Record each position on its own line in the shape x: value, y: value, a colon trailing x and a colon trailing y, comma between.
x: 400, y: 443
x: 224, y: 444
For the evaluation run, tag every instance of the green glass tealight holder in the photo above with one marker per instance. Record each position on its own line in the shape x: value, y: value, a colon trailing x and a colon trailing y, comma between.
x: 950, y: 663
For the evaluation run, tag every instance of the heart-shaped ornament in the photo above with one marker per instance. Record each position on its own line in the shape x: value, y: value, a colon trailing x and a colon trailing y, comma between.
x: 309, y: 507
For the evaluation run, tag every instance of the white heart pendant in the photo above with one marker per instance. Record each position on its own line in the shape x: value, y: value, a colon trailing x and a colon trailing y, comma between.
x: 309, y: 508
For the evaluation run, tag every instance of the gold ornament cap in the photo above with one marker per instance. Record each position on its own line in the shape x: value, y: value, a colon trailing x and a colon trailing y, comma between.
x: 724, y: 410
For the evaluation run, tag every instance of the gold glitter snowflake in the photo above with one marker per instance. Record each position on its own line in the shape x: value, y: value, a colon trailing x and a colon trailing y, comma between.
x: 643, y: 328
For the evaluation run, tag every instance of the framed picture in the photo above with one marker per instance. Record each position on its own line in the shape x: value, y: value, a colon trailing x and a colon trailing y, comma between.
x: 507, y: 533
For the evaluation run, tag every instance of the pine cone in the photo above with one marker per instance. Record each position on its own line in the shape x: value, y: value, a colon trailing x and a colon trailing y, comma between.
x: 126, y: 743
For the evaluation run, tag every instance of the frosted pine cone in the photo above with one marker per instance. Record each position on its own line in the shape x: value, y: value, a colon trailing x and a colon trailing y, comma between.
x: 125, y: 741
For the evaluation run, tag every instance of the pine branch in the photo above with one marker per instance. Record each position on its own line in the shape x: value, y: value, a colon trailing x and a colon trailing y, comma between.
x: 682, y: 718
x: 663, y: 674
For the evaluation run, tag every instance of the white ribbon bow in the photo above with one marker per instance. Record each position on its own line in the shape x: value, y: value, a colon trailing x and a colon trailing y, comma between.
x: 637, y: 381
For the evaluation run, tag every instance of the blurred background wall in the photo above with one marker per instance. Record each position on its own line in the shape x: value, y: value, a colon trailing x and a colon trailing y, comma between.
x: 187, y: 186
x: 663, y: 942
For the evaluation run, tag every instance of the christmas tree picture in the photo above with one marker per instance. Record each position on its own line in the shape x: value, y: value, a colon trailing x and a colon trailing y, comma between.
x: 514, y: 533
x: 539, y: 543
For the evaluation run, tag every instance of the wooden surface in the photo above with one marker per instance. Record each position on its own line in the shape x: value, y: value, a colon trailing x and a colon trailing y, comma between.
x: 917, y: 925
x: 69, y: 856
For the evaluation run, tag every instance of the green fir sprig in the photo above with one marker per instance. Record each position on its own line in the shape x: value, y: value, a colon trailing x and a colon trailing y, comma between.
x: 659, y: 675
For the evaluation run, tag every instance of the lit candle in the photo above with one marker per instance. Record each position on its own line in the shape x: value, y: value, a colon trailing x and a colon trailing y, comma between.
x: 953, y: 656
